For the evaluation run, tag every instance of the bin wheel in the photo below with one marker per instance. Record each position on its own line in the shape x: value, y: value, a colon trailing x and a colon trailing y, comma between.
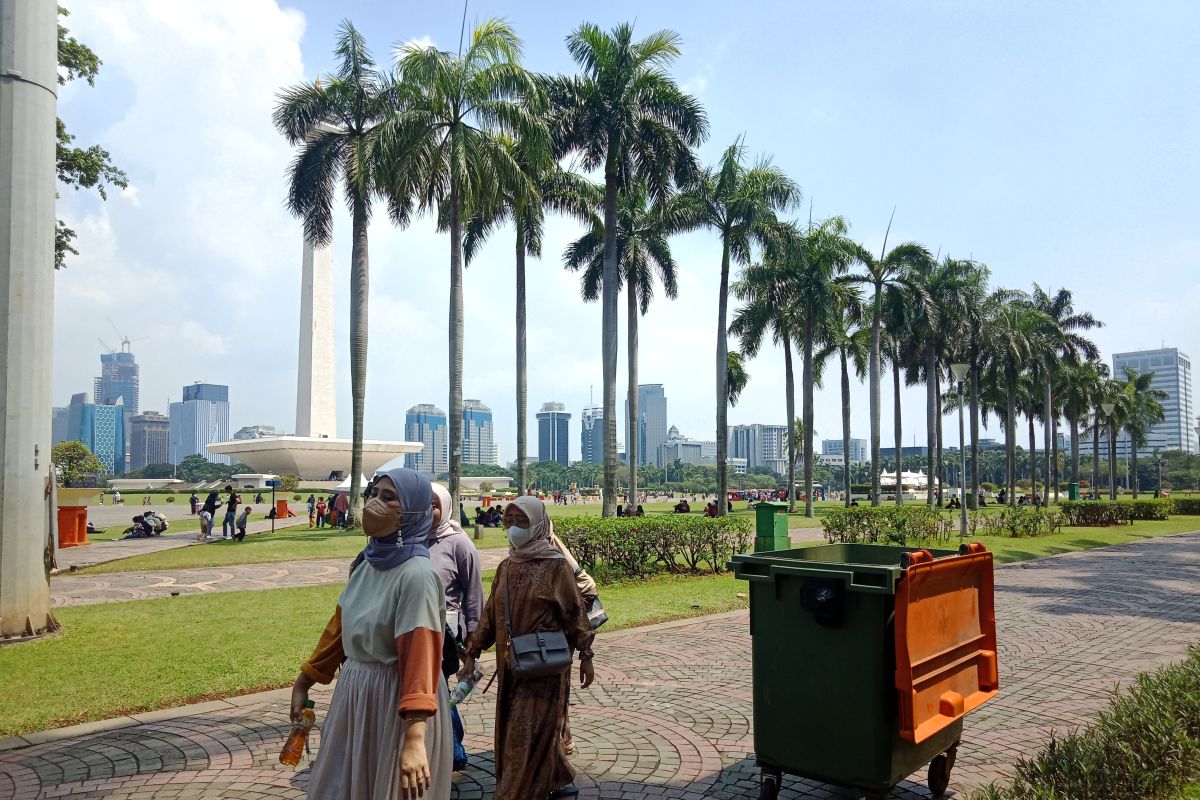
x: 939, y: 772
x: 769, y: 787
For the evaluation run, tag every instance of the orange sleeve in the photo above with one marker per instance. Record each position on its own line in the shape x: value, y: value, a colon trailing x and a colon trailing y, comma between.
x: 419, y: 658
x: 328, y: 654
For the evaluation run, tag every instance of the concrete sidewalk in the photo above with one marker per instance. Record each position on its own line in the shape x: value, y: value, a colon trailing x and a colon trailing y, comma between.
x: 670, y: 715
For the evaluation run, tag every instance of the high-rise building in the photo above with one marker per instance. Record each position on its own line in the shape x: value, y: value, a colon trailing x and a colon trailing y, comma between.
x: 651, y: 422
x: 553, y: 434
x: 257, y: 432
x: 1173, y: 375
x: 119, y: 378
x: 858, y: 450
x: 58, y: 425
x: 101, y: 428
x: 200, y: 419
x: 760, y: 445
x: 478, y: 444
x: 591, y: 435
x: 680, y: 448
x: 149, y: 439
x: 427, y: 424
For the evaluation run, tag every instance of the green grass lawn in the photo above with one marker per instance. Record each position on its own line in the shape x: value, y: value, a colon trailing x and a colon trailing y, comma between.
x: 118, y: 530
x: 120, y: 658
x: 1191, y: 792
x: 1007, y: 549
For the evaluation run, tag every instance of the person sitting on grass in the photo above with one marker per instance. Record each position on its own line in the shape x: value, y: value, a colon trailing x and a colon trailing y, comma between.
x: 242, y: 520
x: 682, y: 507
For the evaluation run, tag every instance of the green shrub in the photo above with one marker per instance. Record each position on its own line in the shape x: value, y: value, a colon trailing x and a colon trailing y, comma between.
x: 1021, y: 521
x: 1099, y: 513
x: 1186, y: 505
x: 170, y: 498
x: 616, y: 548
x: 1146, y: 744
x: 860, y: 488
x: 296, y: 498
x: 916, y: 525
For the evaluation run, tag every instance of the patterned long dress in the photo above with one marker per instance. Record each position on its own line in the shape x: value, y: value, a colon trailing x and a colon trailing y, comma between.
x: 391, y: 627
x: 530, y: 760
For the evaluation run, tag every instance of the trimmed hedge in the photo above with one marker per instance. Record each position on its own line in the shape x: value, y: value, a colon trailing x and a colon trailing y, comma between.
x: 1099, y: 513
x: 1145, y: 745
x: 916, y: 525
x: 615, y: 548
x: 1023, y: 521
x: 1186, y: 505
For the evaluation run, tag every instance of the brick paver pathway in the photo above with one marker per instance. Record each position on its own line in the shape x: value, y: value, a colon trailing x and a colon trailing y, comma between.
x: 670, y: 714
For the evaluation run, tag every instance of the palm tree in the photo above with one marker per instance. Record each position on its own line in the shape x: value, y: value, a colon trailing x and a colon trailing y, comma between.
x: 765, y: 290
x: 644, y: 229
x: 1142, y: 407
x: 889, y: 270
x: 818, y: 287
x: 1063, y: 344
x: 737, y: 377
x: 1010, y: 341
x: 740, y: 205
x: 1079, y: 389
x: 624, y: 114
x: 845, y: 335
x: 342, y: 126
x: 452, y: 156
x: 554, y: 188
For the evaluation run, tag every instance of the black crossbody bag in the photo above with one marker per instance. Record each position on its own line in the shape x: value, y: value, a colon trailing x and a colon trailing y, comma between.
x: 535, y: 655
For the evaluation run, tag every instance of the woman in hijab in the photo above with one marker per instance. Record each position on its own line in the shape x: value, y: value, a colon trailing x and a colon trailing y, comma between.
x: 211, y: 502
x: 530, y: 760
x: 387, y: 735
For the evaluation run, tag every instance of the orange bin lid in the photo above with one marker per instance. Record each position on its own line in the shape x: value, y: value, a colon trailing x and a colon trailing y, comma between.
x: 945, y: 640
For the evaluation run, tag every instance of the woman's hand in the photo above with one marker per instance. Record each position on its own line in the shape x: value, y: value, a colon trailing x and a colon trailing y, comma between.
x: 587, y: 673
x: 415, y: 779
x: 300, y: 694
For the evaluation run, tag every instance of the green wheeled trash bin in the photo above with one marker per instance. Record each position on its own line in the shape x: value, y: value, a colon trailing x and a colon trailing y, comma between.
x: 771, y: 527
x: 865, y: 660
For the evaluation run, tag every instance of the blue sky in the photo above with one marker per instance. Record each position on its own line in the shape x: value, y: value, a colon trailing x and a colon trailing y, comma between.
x: 1055, y: 142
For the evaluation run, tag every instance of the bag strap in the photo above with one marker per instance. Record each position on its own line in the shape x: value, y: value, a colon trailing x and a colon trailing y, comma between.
x: 507, y: 618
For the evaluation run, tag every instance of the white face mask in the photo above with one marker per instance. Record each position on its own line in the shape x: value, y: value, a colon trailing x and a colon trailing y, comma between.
x: 519, y: 536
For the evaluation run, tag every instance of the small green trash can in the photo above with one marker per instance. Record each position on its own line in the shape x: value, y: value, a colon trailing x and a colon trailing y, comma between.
x: 826, y: 700
x: 771, y: 527
x: 1072, y: 491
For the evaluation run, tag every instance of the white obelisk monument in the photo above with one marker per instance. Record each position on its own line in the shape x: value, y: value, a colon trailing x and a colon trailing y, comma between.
x: 316, y: 404
x: 28, y: 95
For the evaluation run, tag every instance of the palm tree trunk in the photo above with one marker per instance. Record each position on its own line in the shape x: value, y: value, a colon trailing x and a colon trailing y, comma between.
x: 456, y: 342
x: 608, y: 294
x: 1033, y: 465
x: 1133, y: 481
x: 876, y: 320
x: 359, y: 294
x: 522, y: 368
x: 897, y: 420
x: 1112, y: 460
x: 723, y: 380
x: 1010, y: 441
x: 1048, y: 428
x: 1096, y: 456
x: 941, y: 446
x: 845, y: 425
x: 974, y: 499
x: 632, y: 357
x: 808, y: 417
x: 930, y: 419
x: 1073, y: 422
x: 789, y: 383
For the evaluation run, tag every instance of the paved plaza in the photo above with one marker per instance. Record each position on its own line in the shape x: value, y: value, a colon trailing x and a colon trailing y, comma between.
x: 670, y: 715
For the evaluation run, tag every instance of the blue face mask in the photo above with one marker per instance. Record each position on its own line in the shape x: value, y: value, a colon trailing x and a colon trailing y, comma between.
x: 518, y: 537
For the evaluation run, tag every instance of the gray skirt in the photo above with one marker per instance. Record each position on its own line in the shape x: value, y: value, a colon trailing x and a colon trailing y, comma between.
x: 359, y: 757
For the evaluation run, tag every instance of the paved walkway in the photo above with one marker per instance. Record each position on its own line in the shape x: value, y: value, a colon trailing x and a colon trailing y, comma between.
x: 669, y: 716
x: 101, y: 552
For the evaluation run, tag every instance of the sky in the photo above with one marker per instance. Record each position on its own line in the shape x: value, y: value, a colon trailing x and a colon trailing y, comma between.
x: 1054, y: 142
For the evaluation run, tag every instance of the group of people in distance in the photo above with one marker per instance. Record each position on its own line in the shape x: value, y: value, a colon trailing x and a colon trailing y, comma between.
x: 413, y: 614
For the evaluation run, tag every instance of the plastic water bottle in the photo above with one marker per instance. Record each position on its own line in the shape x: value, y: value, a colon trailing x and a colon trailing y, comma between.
x: 464, y: 688
x: 294, y: 747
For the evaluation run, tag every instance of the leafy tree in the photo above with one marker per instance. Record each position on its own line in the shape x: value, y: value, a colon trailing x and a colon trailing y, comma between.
x: 76, y: 464
x: 289, y: 483
x: 1141, y: 408
x: 196, y: 468
x: 79, y: 167
x: 624, y: 114
x: 339, y: 128
x: 451, y: 155
x: 736, y: 376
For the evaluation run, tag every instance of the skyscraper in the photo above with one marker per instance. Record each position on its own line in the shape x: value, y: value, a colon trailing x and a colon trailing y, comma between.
x: 426, y: 423
x: 591, y: 435
x: 58, y: 425
x: 858, y: 449
x: 101, y: 428
x: 119, y: 378
x: 478, y: 445
x: 200, y: 419
x: 760, y: 445
x: 149, y: 439
x: 553, y: 435
x: 651, y: 422
x: 1173, y: 375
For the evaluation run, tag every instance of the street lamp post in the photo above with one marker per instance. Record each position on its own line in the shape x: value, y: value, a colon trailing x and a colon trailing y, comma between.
x: 1108, y: 409
x: 960, y: 375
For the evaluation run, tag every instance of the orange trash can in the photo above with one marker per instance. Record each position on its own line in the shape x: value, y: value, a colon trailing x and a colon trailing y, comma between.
x: 281, y: 509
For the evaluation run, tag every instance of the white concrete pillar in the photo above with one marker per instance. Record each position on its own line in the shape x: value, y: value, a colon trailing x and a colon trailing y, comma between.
x: 316, y: 403
x: 28, y: 94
